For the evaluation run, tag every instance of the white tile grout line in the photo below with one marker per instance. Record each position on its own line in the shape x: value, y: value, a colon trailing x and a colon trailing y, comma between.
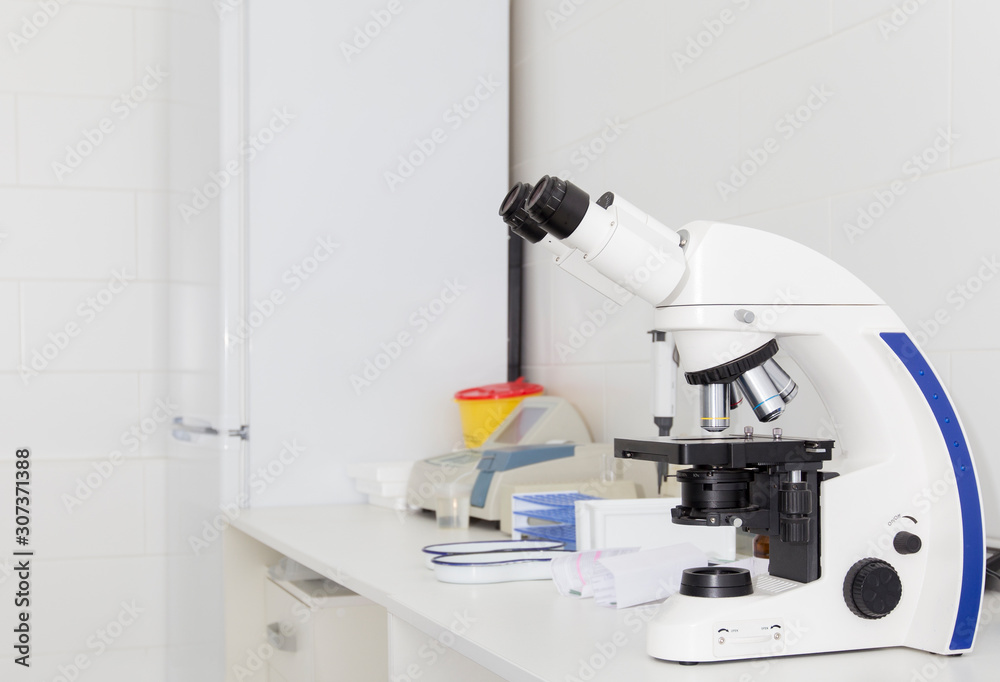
x: 22, y: 339
x: 17, y: 142
x: 135, y: 232
x: 145, y: 473
x: 115, y: 372
x: 829, y: 227
x: 951, y: 77
x: 135, y: 45
x: 606, y: 410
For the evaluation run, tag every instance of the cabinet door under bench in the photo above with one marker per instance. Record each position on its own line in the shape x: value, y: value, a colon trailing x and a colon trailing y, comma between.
x: 322, y: 632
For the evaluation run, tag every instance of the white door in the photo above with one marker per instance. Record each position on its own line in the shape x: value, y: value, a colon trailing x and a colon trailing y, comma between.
x: 376, y: 156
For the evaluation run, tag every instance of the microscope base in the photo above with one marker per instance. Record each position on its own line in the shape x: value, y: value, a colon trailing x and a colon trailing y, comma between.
x: 781, y: 618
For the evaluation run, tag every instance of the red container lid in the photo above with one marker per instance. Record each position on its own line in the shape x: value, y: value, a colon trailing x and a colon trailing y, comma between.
x: 508, y: 389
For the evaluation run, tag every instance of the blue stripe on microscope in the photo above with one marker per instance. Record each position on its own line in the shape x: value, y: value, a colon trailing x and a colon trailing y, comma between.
x: 764, y: 401
x: 973, y: 561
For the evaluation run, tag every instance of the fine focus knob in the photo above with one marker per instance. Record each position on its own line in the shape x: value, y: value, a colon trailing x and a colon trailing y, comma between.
x: 906, y: 543
x: 795, y: 531
x: 872, y: 588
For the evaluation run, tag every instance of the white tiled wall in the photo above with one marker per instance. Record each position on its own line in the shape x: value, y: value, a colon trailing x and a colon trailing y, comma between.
x: 99, y: 522
x: 892, y: 82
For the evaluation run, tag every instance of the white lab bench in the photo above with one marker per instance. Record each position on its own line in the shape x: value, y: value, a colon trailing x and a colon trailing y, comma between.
x: 521, y: 631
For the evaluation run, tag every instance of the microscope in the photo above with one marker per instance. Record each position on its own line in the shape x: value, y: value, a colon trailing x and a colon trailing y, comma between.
x: 877, y: 539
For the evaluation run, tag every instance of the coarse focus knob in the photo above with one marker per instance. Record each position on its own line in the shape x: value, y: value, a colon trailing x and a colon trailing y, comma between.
x: 906, y: 543
x: 797, y: 501
x: 872, y: 588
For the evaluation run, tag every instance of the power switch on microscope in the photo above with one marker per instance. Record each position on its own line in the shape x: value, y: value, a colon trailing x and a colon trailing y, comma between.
x: 906, y: 543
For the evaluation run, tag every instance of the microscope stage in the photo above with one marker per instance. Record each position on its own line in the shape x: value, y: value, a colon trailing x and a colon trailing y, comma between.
x: 726, y: 451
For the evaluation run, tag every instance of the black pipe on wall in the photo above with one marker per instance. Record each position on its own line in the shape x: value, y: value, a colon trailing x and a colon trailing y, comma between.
x: 515, y: 301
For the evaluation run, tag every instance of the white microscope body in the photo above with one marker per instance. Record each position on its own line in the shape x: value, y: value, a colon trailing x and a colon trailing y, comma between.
x: 884, y: 536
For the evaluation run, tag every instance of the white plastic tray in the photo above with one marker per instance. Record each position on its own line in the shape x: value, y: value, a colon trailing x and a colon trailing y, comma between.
x: 495, y: 567
x: 487, y: 546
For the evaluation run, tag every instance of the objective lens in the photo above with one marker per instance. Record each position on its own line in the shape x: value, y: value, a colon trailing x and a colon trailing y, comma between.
x: 715, y: 407
x: 787, y: 388
x: 761, y: 394
x: 557, y: 206
x: 735, y: 397
x: 514, y: 214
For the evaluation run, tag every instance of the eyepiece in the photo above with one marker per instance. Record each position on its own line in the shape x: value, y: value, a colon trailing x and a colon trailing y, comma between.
x: 513, y: 213
x: 514, y: 200
x: 557, y: 206
x: 547, y: 191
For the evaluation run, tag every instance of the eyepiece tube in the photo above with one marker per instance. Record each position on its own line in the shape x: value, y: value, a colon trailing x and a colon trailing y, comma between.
x: 761, y: 394
x: 787, y: 388
x: 514, y: 214
x: 622, y: 244
x: 715, y: 407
